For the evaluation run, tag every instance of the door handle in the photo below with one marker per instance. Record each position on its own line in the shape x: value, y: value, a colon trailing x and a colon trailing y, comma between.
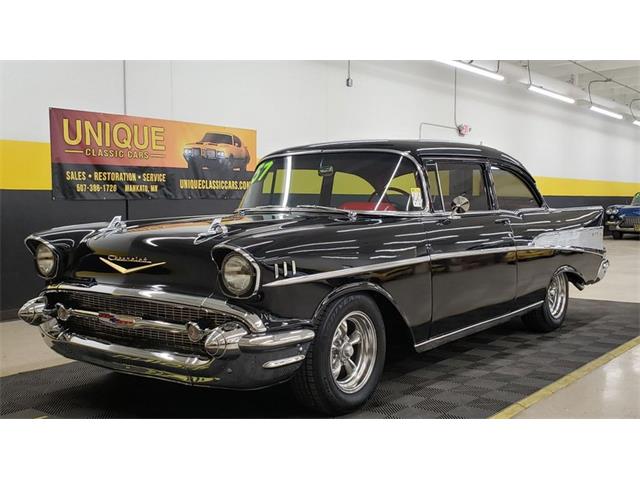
x: 504, y: 221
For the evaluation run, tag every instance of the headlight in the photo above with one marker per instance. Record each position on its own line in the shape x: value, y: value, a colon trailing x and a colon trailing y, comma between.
x: 220, y: 154
x: 211, y: 154
x: 238, y: 275
x: 45, y: 260
x: 612, y: 210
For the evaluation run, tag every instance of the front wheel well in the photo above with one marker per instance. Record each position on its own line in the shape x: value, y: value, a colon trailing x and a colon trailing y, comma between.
x: 396, y: 327
x: 394, y: 323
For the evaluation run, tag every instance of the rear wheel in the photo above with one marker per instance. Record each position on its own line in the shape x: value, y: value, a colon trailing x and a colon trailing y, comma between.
x: 616, y: 235
x: 553, y: 311
x: 345, y: 361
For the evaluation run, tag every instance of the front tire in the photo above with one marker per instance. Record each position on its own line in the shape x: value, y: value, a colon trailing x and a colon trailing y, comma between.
x: 552, y: 313
x: 344, y: 364
x: 616, y: 235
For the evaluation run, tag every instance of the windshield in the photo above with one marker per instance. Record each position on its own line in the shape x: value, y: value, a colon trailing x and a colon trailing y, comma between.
x: 360, y: 181
x: 216, y: 138
x: 636, y: 200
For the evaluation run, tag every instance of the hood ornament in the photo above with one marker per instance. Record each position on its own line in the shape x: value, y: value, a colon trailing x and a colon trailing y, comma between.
x: 216, y: 228
x: 116, y: 225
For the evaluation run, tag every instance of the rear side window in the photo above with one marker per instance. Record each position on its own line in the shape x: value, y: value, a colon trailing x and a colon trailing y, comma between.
x: 511, y: 191
x: 463, y: 179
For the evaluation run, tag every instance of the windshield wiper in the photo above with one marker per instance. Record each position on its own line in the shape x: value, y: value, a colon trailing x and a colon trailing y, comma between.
x: 263, y: 207
x: 350, y: 213
x: 324, y: 208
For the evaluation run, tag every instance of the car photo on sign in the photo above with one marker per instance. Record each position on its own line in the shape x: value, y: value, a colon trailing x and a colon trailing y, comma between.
x: 218, y: 151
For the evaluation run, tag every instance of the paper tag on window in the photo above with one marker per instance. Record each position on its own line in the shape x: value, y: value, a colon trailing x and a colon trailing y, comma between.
x: 416, y: 197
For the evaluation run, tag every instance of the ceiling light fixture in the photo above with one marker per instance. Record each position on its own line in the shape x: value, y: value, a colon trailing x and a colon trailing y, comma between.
x: 550, y: 94
x: 606, y: 112
x: 636, y: 122
x: 600, y: 110
x: 473, y: 69
x: 544, y: 91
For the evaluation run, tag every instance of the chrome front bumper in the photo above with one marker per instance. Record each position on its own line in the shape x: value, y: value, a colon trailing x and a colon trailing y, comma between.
x: 239, y: 355
x: 616, y: 226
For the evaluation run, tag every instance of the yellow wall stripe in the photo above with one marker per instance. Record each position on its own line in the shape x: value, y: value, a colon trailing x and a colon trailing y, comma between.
x: 27, y: 166
x: 573, y: 187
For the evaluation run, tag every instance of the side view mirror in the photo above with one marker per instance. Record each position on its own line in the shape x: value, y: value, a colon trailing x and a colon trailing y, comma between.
x: 460, y: 204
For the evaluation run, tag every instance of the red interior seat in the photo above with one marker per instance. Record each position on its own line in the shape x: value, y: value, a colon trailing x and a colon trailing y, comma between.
x: 384, y: 206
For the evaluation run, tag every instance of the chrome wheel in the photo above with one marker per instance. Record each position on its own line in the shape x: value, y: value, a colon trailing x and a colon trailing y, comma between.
x: 557, y: 295
x: 353, y: 351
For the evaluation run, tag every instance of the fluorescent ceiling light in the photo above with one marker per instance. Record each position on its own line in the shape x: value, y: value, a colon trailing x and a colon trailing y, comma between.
x: 636, y: 122
x: 472, y: 69
x: 550, y: 94
x: 608, y: 113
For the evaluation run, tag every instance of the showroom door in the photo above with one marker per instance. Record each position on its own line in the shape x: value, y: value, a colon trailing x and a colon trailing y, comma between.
x: 473, y: 255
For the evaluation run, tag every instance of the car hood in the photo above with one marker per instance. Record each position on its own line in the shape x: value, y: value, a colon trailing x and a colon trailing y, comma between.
x: 176, y: 253
x: 628, y: 210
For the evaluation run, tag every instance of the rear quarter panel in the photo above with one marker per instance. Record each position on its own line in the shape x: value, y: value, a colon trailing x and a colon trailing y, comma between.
x: 548, y: 239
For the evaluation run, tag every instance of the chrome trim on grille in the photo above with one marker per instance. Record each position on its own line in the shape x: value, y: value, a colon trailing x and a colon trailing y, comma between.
x: 629, y: 222
x: 253, y: 321
x: 137, y: 323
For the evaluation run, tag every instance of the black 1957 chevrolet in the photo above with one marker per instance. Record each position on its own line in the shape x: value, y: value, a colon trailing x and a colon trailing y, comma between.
x: 333, y: 248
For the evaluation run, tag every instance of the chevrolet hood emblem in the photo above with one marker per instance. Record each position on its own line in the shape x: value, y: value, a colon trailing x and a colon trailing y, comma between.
x: 125, y: 271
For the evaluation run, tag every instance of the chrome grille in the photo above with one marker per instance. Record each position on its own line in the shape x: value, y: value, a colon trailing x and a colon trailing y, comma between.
x: 141, y: 337
x: 149, y: 338
x: 167, y: 312
x: 630, y: 221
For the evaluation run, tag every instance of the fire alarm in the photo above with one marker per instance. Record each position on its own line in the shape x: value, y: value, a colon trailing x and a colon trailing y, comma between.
x: 463, y: 129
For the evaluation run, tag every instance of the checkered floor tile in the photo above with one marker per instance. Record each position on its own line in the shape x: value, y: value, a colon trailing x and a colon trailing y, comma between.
x: 474, y: 377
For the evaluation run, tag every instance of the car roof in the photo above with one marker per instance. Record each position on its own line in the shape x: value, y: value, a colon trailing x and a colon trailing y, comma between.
x: 424, y: 149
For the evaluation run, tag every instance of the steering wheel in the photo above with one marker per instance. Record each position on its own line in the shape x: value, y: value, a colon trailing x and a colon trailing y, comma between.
x: 393, y: 189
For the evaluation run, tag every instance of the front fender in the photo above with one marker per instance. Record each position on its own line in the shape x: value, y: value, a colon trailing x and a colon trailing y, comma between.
x: 392, y: 314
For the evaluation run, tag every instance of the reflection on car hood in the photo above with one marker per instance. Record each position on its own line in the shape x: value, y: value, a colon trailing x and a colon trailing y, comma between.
x: 177, y: 251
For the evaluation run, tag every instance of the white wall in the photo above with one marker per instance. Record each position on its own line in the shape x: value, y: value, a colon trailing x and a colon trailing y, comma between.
x: 292, y: 103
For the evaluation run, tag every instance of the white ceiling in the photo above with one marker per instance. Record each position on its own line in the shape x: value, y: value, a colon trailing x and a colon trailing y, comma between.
x: 623, y: 71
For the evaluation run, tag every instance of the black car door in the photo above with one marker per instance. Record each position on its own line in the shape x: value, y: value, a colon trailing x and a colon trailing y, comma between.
x: 473, y: 257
